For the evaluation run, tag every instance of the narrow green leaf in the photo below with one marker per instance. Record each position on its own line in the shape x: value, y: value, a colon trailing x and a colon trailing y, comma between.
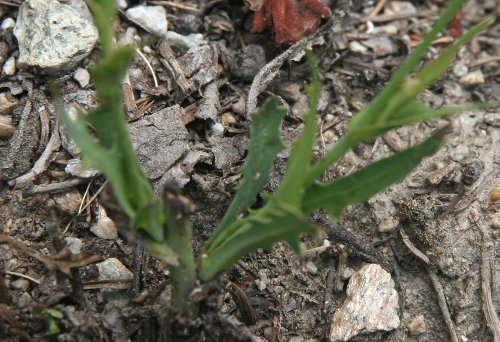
x: 265, y: 144
x: 293, y: 185
x: 267, y: 226
x: 413, y: 112
x: 103, y: 12
x: 370, y: 180
x: 377, y: 108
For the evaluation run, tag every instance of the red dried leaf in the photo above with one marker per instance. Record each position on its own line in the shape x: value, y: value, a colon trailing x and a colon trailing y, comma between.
x: 291, y: 20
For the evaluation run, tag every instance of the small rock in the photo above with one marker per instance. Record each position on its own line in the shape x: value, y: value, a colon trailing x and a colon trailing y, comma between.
x: 25, y: 300
x: 8, y: 23
x: 217, y: 129
x: 381, y: 46
x: 130, y: 37
x: 473, y: 78
x: 67, y: 143
x: 6, y: 127
x: 348, y: 272
x: 384, y: 30
x: 441, y: 174
x: 417, y: 325
x: 184, y: 43
x: 472, y: 172
x: 105, y: 228
x: 387, y: 225
x: 187, y: 23
x: 7, y: 103
x: 9, y: 67
x: 20, y: 284
x: 328, y: 136
x: 121, y: 4
x: 495, y: 221
x: 248, y: 61
x: 492, y: 119
x: 311, y: 268
x: 68, y: 202
x: 262, y: 281
x: 82, y: 76
x: 74, y: 245
x: 355, y: 46
x: 371, y: 305
x: 460, y: 69
x: 75, y: 167
x: 400, y: 7
x: 296, y: 339
x: 290, y: 304
x: 152, y: 18
x: 453, y: 89
x: 113, y: 269
x: 54, y: 37
x: 227, y: 119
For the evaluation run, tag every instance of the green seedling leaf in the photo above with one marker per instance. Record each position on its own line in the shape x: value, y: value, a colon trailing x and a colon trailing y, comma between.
x: 273, y: 223
x: 265, y: 144
x: 370, y: 180
x: 375, y: 111
x: 293, y: 185
x: 103, y: 12
x: 413, y: 112
x: 395, y: 105
x: 51, y: 317
x: 102, y: 136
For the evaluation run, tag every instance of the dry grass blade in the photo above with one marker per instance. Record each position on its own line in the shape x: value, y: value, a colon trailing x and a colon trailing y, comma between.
x: 64, y: 266
x: 490, y: 313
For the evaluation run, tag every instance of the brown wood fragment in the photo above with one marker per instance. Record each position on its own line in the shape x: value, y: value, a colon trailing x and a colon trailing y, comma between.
x: 173, y: 68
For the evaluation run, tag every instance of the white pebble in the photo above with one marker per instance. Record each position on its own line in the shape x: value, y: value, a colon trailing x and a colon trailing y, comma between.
x: 104, y: 228
x: 217, y: 129
x: 74, y: 245
x: 82, y: 76
x: 460, y: 69
x: 152, y: 18
x: 8, y: 24
x: 9, y: 67
x: 121, y: 4
x: 355, y: 46
x: 473, y: 78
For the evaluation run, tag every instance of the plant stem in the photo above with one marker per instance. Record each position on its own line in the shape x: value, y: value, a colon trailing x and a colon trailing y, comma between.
x: 341, y: 147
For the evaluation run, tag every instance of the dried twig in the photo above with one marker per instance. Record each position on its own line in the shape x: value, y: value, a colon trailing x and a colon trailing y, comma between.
x: 399, y: 16
x: 443, y: 305
x: 241, y: 328
x: 52, y: 263
x: 267, y: 74
x: 485, y: 60
x: 438, y: 288
x: 339, y: 281
x: 173, y: 68
x: 242, y: 302
x: 44, y: 129
x: 149, y: 67
x: 376, y: 10
x: 464, y: 202
x: 352, y: 241
x: 490, y: 313
x: 36, y: 281
x: 41, y: 164
x: 53, y: 187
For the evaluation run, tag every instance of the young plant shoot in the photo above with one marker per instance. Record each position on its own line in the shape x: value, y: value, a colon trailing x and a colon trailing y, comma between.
x: 103, y: 138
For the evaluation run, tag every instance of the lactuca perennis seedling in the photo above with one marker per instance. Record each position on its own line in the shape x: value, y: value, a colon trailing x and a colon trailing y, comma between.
x: 165, y: 228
